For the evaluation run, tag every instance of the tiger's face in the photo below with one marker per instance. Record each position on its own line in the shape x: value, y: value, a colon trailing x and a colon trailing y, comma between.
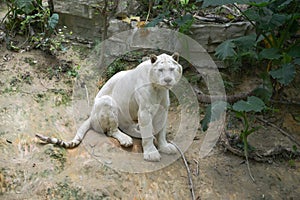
x: 165, y: 71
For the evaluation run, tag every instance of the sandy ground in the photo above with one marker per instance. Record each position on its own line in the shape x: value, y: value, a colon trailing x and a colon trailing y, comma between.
x: 37, y: 97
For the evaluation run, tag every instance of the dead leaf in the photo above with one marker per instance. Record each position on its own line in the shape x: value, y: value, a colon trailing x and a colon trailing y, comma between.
x: 131, y: 18
x: 135, y: 18
x: 141, y: 24
x: 127, y: 20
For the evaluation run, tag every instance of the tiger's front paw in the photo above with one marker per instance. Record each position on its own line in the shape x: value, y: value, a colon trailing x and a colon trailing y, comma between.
x: 168, y: 148
x: 124, y: 139
x: 152, y: 155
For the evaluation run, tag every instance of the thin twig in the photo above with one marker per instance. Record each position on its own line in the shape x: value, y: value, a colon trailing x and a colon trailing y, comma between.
x: 2, y: 21
x: 231, y: 11
x: 279, y: 129
x: 149, y: 10
x: 287, y: 102
x: 188, y: 171
x: 248, y: 167
x: 44, y: 85
x: 197, y: 167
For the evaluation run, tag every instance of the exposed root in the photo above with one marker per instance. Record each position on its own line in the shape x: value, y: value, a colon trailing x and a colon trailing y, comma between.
x: 280, y: 130
x: 204, y: 98
x: 287, y: 101
x: 278, y: 152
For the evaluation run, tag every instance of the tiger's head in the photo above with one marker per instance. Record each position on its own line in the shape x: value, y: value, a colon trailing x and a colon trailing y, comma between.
x: 165, y: 71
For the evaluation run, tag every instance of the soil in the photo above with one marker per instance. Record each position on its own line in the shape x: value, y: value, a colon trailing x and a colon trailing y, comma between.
x: 37, y: 97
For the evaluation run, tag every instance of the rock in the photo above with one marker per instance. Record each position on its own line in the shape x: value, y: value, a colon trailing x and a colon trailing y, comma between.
x: 85, y: 20
x: 117, y: 26
x: 291, y: 125
x: 210, y: 35
x: 81, y: 17
x: 127, y: 8
x: 2, y: 36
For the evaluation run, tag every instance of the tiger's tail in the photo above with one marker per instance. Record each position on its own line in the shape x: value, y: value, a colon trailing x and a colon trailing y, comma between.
x: 83, y: 129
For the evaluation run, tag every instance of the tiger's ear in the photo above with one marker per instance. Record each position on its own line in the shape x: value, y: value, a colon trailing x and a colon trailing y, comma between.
x: 153, y: 58
x: 175, y: 56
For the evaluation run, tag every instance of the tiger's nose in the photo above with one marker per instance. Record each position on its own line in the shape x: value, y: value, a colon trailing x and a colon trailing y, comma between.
x: 167, y: 80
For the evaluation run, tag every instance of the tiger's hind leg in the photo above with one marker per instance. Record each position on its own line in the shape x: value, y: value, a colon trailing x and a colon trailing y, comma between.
x: 105, y: 115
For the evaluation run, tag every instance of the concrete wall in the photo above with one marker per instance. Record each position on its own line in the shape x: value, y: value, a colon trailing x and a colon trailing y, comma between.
x: 86, y: 22
x: 210, y: 35
x: 81, y: 17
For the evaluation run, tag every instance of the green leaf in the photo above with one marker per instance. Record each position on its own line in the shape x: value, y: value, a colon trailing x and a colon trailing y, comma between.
x: 297, y: 61
x: 253, y: 103
x: 184, y: 22
x: 285, y: 74
x: 270, y: 54
x: 184, y: 2
x: 25, y: 5
x: 259, y: 3
x: 207, y: 3
x: 264, y: 93
x: 297, y: 118
x: 285, y: 4
x: 213, y: 113
x: 265, y: 19
x: 156, y: 20
x: 295, y: 16
x: 183, y: 19
x: 278, y: 20
x: 245, y: 43
x: 225, y: 50
x: 265, y: 90
x: 252, y: 14
x: 53, y: 20
x: 294, y: 51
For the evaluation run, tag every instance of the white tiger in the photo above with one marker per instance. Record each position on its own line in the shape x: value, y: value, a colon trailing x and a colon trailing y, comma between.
x: 135, y: 103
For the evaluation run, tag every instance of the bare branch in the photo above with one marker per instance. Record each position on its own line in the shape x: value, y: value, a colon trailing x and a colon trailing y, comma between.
x: 281, y: 130
x: 187, y: 169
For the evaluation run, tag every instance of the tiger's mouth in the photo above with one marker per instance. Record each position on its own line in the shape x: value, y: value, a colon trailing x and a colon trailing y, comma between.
x: 168, y: 85
x: 164, y: 85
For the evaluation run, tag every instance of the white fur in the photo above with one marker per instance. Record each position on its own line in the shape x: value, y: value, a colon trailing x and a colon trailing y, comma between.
x: 141, y: 99
x: 135, y: 103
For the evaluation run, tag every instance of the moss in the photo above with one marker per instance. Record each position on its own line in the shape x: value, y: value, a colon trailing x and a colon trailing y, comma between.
x: 65, y: 190
x: 117, y: 66
x: 58, y: 157
x: 63, y: 96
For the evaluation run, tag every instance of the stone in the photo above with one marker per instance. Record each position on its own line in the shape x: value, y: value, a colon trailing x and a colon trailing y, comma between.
x: 82, y: 8
x: 86, y: 21
x: 117, y: 26
x: 127, y: 7
x: 210, y: 35
x: 81, y: 17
